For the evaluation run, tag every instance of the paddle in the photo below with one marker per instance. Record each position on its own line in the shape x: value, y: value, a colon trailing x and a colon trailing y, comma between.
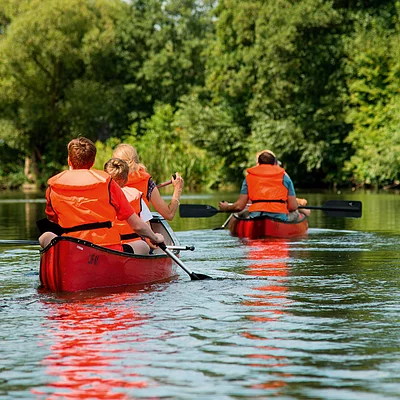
x: 197, y: 211
x: 36, y: 243
x: 339, y: 208
x: 224, y: 224
x: 193, y: 276
x: 191, y: 248
x: 19, y: 242
x: 160, y: 185
x: 332, y: 208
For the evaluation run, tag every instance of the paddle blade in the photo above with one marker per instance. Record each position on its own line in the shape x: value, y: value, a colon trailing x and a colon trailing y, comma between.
x: 197, y: 211
x: 45, y: 225
x: 194, y: 276
x: 343, y: 208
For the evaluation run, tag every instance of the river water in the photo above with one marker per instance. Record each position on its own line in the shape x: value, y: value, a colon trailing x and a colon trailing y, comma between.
x: 309, y: 318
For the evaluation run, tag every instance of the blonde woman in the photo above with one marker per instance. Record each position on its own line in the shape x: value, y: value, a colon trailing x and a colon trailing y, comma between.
x: 140, y: 179
x: 131, y: 242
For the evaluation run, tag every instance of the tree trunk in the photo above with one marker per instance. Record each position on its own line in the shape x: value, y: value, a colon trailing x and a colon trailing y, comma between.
x: 30, y: 169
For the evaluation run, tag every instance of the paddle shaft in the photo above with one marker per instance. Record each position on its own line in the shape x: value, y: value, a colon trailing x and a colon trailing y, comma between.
x: 327, y: 208
x: 36, y: 243
x: 176, y: 259
x: 160, y: 185
x: 336, y: 208
x: 180, y: 248
x: 193, y: 276
x: 20, y: 242
x: 225, y: 223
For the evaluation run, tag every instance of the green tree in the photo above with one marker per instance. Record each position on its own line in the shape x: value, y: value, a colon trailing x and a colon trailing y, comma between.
x: 51, y: 50
x: 213, y: 128
x: 164, y: 148
x: 278, y: 64
x: 374, y: 102
x: 160, y: 45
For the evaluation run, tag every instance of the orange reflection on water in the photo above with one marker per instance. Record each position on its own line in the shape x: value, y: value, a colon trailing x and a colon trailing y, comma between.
x: 270, y: 260
x: 87, y: 356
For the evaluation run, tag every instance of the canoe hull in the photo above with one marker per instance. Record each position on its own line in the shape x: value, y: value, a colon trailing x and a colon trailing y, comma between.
x: 262, y: 227
x: 71, y: 265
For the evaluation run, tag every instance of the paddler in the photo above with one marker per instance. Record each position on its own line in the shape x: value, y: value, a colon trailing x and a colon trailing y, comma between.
x: 269, y: 190
x: 118, y: 169
x: 88, y: 201
x: 140, y: 179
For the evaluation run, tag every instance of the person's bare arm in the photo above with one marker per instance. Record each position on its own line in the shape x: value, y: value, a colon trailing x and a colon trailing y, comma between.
x: 292, y: 203
x: 142, y: 229
x: 238, y: 205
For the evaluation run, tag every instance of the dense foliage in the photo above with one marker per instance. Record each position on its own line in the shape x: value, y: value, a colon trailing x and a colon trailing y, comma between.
x: 200, y: 86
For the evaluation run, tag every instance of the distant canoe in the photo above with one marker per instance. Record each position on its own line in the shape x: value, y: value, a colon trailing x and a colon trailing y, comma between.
x: 261, y: 227
x: 69, y: 264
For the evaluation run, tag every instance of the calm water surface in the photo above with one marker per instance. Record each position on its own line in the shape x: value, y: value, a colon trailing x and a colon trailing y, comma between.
x: 311, y: 318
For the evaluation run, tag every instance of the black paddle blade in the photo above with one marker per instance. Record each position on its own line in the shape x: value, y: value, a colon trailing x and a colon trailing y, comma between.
x: 45, y: 225
x: 194, y: 276
x: 343, y: 208
x: 197, y: 211
x: 339, y: 208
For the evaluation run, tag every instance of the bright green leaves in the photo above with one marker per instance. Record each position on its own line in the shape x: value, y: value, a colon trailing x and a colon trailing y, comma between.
x: 200, y: 87
x: 374, y: 102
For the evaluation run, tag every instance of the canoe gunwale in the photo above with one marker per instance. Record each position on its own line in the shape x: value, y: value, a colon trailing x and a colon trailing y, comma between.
x: 156, y: 219
x: 266, y: 227
x: 266, y: 217
x: 100, y: 248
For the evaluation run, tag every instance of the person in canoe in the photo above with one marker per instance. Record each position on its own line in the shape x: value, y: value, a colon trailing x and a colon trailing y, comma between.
x: 85, y: 202
x: 269, y: 190
x: 140, y: 179
x: 119, y: 170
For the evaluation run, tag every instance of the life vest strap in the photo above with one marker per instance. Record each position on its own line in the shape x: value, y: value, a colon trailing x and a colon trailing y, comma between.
x: 88, y: 227
x: 269, y: 201
x: 128, y: 236
x: 45, y: 225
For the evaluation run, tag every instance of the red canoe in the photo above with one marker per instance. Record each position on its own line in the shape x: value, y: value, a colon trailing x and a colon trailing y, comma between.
x: 260, y: 227
x: 69, y: 264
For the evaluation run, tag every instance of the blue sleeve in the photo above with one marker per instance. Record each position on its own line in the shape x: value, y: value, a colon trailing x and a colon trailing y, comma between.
x: 244, y: 189
x: 287, y: 182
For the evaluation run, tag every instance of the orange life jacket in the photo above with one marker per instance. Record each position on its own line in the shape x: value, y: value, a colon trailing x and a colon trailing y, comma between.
x: 140, y: 181
x: 134, y: 197
x: 266, y: 189
x: 80, y: 197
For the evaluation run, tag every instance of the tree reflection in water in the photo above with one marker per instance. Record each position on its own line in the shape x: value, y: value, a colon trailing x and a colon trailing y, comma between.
x: 270, y: 258
x: 91, y: 339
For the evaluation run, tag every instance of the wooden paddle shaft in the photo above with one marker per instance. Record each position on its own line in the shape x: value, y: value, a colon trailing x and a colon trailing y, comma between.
x: 166, y: 183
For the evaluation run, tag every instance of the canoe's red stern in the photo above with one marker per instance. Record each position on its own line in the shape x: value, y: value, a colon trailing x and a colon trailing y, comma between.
x: 74, y: 265
x: 258, y: 228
